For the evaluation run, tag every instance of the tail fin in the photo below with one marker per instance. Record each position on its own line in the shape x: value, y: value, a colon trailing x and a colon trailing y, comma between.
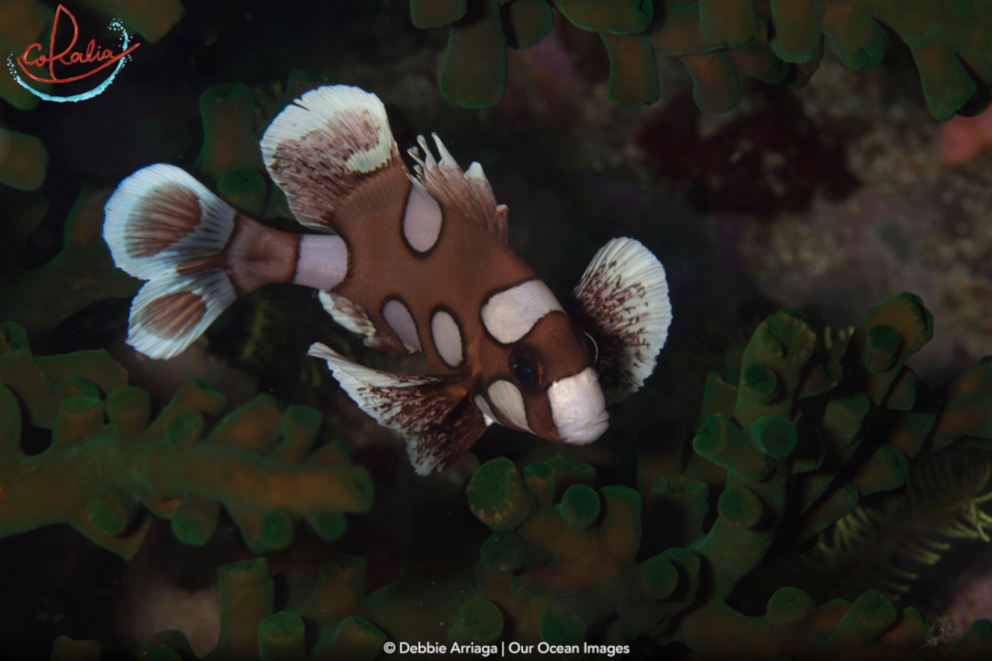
x: 159, y: 220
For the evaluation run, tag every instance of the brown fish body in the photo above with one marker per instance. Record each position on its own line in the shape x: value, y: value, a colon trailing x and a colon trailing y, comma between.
x: 465, y: 265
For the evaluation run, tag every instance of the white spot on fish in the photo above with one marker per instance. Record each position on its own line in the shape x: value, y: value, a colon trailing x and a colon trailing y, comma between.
x: 447, y: 338
x: 507, y: 398
x: 510, y: 314
x: 401, y: 321
x: 422, y: 219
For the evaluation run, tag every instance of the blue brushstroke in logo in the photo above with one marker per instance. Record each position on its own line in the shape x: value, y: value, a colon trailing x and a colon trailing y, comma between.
x: 114, y: 25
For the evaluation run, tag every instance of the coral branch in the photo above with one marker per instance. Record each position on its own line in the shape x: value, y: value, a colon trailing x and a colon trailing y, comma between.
x: 94, y: 472
x: 23, y: 160
x: 82, y: 273
x: 795, y: 438
x: 716, y: 39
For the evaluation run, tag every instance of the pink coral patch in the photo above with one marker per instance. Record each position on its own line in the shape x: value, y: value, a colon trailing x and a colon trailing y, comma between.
x: 963, y: 138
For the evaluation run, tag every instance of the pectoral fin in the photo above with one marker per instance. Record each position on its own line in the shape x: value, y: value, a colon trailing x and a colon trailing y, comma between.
x: 355, y: 318
x: 622, y: 303
x: 435, y: 414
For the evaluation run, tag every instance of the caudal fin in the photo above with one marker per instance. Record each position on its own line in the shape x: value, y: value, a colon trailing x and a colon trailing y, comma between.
x: 164, y: 226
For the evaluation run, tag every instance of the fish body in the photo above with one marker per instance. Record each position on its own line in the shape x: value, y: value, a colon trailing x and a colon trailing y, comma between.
x: 413, y: 262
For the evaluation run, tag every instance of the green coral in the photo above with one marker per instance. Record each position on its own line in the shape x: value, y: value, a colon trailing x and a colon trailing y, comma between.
x: 23, y: 160
x: 22, y: 23
x: 82, y: 273
x: 772, y: 40
x: 795, y: 438
x: 232, y: 127
x: 890, y: 542
x: 108, y: 458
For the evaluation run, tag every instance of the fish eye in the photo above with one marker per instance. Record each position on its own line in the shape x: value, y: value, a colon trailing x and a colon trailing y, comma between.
x: 524, y: 371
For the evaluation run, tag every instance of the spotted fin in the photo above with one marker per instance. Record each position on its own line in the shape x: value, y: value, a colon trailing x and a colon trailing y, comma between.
x: 468, y: 191
x: 326, y: 144
x: 434, y: 413
x: 354, y: 317
x: 622, y: 303
x: 158, y: 221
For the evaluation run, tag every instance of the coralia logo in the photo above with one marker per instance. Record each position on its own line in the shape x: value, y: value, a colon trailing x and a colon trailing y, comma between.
x: 93, y: 54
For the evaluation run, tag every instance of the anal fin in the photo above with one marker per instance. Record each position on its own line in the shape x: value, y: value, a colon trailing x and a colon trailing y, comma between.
x: 435, y: 414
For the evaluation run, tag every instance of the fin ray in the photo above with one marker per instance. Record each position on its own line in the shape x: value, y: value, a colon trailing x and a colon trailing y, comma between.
x: 469, y: 191
x: 355, y: 318
x: 434, y: 413
x: 170, y: 313
x: 324, y: 145
x: 157, y: 221
x: 160, y: 216
x: 622, y: 302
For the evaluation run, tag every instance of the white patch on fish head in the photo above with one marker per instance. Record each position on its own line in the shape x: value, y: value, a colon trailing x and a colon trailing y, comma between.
x: 510, y: 314
x: 578, y: 407
x: 507, y: 399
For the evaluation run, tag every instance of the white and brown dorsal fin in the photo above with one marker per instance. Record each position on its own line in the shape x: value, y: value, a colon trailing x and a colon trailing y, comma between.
x: 434, y: 413
x: 324, y: 145
x: 622, y: 302
x: 468, y: 191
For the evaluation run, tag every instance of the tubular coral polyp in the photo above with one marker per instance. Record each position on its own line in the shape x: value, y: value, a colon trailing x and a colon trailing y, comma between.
x: 717, y: 39
x: 94, y: 471
x: 570, y: 561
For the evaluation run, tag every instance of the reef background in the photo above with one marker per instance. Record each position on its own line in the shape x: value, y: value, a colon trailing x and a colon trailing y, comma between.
x: 832, y: 198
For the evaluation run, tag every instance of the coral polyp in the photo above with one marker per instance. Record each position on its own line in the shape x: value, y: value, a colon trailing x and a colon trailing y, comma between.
x: 718, y: 39
x: 108, y: 461
x: 795, y: 439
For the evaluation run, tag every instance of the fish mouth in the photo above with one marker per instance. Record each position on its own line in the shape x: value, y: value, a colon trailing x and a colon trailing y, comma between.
x: 581, y: 432
x: 578, y: 408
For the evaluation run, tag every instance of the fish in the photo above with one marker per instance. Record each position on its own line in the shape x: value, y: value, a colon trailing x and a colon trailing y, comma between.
x: 414, y: 262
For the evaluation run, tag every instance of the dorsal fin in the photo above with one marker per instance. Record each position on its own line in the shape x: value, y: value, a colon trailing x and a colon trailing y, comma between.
x: 469, y: 192
x: 622, y: 303
x: 324, y: 146
x: 434, y: 413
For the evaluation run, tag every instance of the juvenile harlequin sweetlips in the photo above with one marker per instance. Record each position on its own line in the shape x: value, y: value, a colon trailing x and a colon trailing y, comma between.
x: 415, y: 263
